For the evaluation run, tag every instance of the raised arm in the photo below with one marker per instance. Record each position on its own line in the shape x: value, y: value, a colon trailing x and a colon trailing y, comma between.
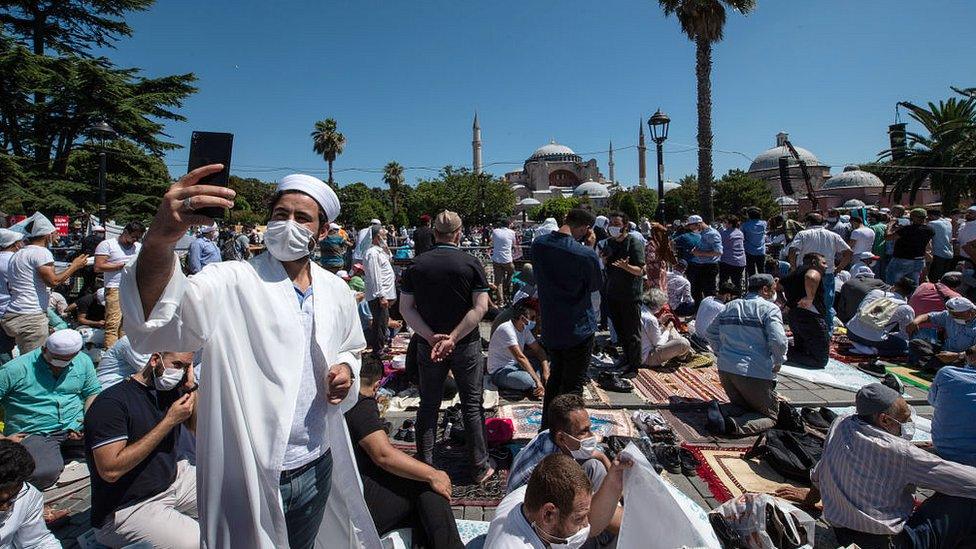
x: 52, y: 278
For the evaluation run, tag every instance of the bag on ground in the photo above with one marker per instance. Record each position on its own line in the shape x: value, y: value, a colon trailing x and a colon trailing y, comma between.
x: 877, y: 315
x: 767, y: 522
x: 790, y: 454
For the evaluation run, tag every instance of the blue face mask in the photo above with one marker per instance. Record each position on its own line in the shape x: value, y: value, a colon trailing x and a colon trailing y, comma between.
x: 530, y: 325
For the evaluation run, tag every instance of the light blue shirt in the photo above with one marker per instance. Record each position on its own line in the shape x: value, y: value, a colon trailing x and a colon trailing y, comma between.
x: 942, y: 240
x: 711, y: 241
x: 754, y: 231
x: 748, y: 337
x: 958, y: 337
x: 203, y: 252
x: 953, y: 394
x: 733, y: 247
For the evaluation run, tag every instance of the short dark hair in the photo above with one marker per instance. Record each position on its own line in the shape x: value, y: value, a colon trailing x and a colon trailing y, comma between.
x: 754, y: 213
x: 16, y: 464
x: 560, y: 409
x: 323, y: 219
x: 621, y: 215
x: 371, y: 371
x: 952, y: 279
x: 557, y: 479
x: 810, y: 257
x: 523, y: 305
x: 729, y: 288
x: 134, y: 227
x: 733, y: 221
x: 815, y: 218
x: 578, y: 217
x: 907, y: 285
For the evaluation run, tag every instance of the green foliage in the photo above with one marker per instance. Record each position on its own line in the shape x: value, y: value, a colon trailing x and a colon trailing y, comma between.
x: 361, y: 203
x: 644, y: 202
x: 477, y: 198
x: 683, y: 201
x: 736, y: 190
x: 68, y: 26
x: 556, y: 208
x: 393, y: 177
x: 328, y: 142
x: 252, y: 200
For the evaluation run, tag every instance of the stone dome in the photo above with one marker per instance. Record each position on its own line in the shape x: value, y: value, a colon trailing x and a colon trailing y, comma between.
x: 851, y: 177
x: 592, y: 189
x: 769, y: 159
x: 554, y: 151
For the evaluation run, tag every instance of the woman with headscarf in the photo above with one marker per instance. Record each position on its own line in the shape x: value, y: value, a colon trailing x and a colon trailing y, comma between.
x: 658, y: 257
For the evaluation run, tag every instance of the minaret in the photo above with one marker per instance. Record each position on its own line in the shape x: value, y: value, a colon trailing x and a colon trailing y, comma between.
x: 641, y: 157
x: 476, y: 145
x: 610, y: 163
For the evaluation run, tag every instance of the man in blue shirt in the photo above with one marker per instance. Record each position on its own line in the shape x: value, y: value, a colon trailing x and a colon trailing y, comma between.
x: 957, y: 324
x: 567, y: 275
x: 685, y: 242
x: 750, y: 345
x: 953, y: 395
x: 203, y: 250
x: 754, y: 230
x: 942, y: 253
x: 703, y: 267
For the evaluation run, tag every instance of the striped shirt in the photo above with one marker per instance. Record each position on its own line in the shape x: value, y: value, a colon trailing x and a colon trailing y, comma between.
x: 867, y: 477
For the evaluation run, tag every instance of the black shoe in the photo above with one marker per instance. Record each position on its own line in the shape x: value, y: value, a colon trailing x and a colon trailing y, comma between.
x: 814, y: 419
x: 669, y: 457
x: 628, y: 373
x: 789, y: 418
x: 873, y: 368
x: 610, y: 381
x: 689, y: 463
x: 726, y: 532
x: 716, y: 422
x: 829, y: 415
x: 891, y: 380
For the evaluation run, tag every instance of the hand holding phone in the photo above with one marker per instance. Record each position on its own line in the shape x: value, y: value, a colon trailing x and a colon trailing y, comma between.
x: 211, y: 148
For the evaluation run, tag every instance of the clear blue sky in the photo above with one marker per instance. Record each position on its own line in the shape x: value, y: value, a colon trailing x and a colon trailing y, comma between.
x: 405, y: 78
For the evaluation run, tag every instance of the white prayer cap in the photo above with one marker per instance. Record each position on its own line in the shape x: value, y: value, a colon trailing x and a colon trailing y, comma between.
x: 334, y: 226
x: 375, y: 222
x: 9, y: 238
x: 960, y: 305
x: 207, y: 229
x: 862, y: 271
x: 100, y: 296
x: 64, y: 342
x: 314, y: 187
x: 601, y: 221
x: 38, y: 225
x: 96, y: 228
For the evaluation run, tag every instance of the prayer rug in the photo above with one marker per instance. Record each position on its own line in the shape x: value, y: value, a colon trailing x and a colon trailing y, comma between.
x: 840, y: 349
x: 690, y: 425
x: 728, y: 475
x: 912, y: 376
x: 594, y: 395
x: 454, y: 461
x: 662, y: 386
x: 527, y: 418
x: 836, y: 374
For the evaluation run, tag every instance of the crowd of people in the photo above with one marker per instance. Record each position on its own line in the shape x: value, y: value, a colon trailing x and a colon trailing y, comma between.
x: 257, y: 358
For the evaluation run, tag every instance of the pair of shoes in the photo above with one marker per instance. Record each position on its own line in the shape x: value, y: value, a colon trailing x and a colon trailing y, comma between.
x: 716, y: 421
x: 789, y: 418
x: 814, y: 418
x: 627, y: 372
x: 873, y: 367
x: 610, y: 381
x: 676, y: 460
x: 891, y: 380
x: 406, y: 432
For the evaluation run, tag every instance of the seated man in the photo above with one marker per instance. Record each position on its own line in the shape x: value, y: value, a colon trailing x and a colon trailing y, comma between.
x: 119, y: 362
x: 958, y: 326
x: 679, y: 290
x: 90, y: 310
x: 853, y: 291
x: 21, y: 505
x: 931, y: 297
x: 400, y: 491
x: 866, y: 259
x: 141, y: 491
x: 868, y: 475
x: 45, y: 394
x: 710, y: 307
x: 807, y: 314
x: 953, y: 395
x: 750, y: 346
x: 556, y: 508
x: 658, y: 346
x: 508, y: 366
x: 878, y: 328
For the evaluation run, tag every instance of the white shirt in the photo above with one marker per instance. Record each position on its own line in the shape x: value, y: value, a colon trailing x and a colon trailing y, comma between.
x: 902, y: 316
x: 58, y: 303
x: 499, y: 355
x: 116, y: 254
x: 710, y: 307
x: 4, y: 293
x: 651, y: 335
x: 509, y: 529
x: 679, y: 290
x: 967, y: 233
x: 863, y: 239
x: 822, y: 241
x: 24, y: 527
x: 28, y: 292
x: 502, y: 242
x: 379, y: 277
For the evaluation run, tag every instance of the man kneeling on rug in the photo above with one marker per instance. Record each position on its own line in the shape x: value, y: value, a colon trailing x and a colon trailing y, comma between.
x: 658, y: 344
x: 868, y: 475
x: 750, y: 345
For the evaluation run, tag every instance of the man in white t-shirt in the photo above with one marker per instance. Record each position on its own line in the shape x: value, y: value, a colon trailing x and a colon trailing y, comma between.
x: 30, y: 277
x: 502, y: 249
x: 111, y: 256
x: 21, y: 504
x: 709, y: 309
x: 815, y: 238
x: 10, y: 242
x: 658, y: 345
x: 508, y: 366
x: 679, y: 290
x: 862, y: 237
x: 556, y: 507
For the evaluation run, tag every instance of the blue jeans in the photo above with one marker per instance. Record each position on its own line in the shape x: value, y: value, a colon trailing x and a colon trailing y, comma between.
x: 898, y: 268
x: 941, y: 521
x: 513, y: 377
x: 889, y: 346
x: 304, y: 494
x: 829, y: 290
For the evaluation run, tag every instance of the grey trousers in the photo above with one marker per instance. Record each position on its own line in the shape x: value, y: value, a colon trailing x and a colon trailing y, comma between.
x: 753, y: 403
x: 49, y: 453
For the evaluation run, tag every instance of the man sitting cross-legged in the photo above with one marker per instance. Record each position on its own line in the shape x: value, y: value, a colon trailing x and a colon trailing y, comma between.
x: 508, y: 366
x: 400, y: 491
x: 658, y: 344
x: 141, y: 492
x: 21, y: 505
x: 957, y: 326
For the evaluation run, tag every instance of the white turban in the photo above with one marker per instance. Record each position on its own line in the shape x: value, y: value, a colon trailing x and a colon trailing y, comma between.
x: 38, y: 225
x: 9, y: 238
x: 207, y: 229
x: 375, y: 222
x: 64, y: 342
x: 314, y: 187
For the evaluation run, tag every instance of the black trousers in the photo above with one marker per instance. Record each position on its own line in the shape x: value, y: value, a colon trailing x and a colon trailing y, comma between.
x: 704, y: 280
x: 567, y: 373
x: 731, y: 273
x: 625, y: 315
x: 811, y: 341
x: 755, y: 264
x: 939, y: 267
x: 379, y: 331
x: 399, y: 503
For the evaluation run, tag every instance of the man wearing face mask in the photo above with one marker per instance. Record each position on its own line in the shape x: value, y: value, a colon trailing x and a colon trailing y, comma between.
x: 45, y: 394
x: 141, y: 492
x: 203, y: 250
x: 30, y: 277
x: 508, y: 366
x: 624, y: 258
x: 703, y: 267
x: 281, y: 342
x: 870, y: 471
x: 380, y: 290
x: 957, y: 325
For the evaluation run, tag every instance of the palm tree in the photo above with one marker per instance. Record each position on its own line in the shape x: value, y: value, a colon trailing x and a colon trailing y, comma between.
x: 938, y: 153
x: 703, y: 21
x: 328, y: 142
x: 393, y: 177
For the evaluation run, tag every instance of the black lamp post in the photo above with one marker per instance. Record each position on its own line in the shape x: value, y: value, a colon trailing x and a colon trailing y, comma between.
x: 102, y: 132
x: 658, y: 123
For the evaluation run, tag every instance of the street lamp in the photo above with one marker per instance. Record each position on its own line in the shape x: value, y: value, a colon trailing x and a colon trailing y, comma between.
x: 658, y: 124
x: 102, y: 132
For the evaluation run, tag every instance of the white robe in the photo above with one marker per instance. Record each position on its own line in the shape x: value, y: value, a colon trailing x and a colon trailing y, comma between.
x: 245, y: 318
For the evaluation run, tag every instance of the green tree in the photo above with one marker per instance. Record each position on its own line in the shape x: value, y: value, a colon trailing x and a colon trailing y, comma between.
x: 393, y: 177
x: 682, y: 201
x: 645, y: 201
x: 360, y: 204
x: 703, y: 22
x: 556, y: 208
x: 328, y: 142
x: 475, y: 197
x: 252, y: 200
x: 736, y: 190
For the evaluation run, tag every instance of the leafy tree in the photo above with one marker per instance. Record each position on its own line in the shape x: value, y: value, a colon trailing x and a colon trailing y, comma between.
x: 477, y: 198
x: 736, y: 190
x: 645, y: 202
x: 703, y: 22
x: 683, y: 201
x: 251, y: 202
x: 556, y: 208
x: 328, y: 142
x: 69, y: 26
x: 628, y: 205
x: 360, y: 204
x: 393, y: 177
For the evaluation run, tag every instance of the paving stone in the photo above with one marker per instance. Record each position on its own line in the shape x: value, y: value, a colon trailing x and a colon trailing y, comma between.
x: 472, y: 513
x: 489, y: 514
x: 458, y: 512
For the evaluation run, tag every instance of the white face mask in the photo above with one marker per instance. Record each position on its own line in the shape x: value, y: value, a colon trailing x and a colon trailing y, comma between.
x: 572, y: 542
x: 908, y: 430
x: 57, y: 362
x: 958, y: 320
x: 168, y: 380
x: 586, y: 449
x: 613, y: 231
x: 288, y: 240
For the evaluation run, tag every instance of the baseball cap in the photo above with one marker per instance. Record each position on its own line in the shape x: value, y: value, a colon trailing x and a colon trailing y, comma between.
x: 447, y: 222
x: 692, y: 219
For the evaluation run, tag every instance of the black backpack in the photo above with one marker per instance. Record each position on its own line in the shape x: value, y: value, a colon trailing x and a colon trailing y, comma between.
x: 790, y: 454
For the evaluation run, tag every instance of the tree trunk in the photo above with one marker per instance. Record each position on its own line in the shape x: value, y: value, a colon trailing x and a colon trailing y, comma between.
x: 703, y: 70
x: 42, y: 148
x: 331, y: 182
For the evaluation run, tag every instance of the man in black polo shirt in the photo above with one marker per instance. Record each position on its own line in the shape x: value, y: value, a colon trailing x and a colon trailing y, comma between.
x: 443, y: 297
x: 423, y: 236
x: 912, y: 242
x: 90, y: 309
x: 623, y: 255
x: 807, y: 315
x: 140, y: 492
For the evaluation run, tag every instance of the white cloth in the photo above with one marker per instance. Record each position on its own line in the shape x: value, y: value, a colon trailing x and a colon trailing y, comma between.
x: 709, y: 309
x: 4, y: 292
x: 9, y: 238
x: 509, y: 529
x: 314, y: 187
x: 363, y: 242
x: 38, y: 225
x: 379, y: 276
x: 820, y: 240
x: 243, y: 318
x: 28, y: 292
x: 505, y: 336
x: 547, y: 227
x: 116, y: 254
x: 863, y: 239
x: 502, y: 243
x: 902, y: 317
x: 24, y: 527
x: 967, y: 233
x: 64, y: 342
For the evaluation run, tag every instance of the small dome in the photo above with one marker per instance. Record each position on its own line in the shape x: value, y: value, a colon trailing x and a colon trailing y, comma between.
x: 786, y: 201
x: 851, y: 177
x: 553, y: 151
x: 853, y: 203
x: 670, y: 186
x: 592, y: 189
x: 769, y: 159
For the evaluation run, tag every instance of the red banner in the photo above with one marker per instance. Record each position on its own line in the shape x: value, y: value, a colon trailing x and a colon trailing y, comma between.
x: 62, y: 224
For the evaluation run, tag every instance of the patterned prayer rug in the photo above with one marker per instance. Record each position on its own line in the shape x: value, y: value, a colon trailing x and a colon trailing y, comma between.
x: 728, y: 475
x: 840, y: 349
x: 453, y: 460
x: 662, y: 386
x: 527, y: 418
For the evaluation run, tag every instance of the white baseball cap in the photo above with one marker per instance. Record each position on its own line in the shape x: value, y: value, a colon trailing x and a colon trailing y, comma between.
x: 692, y: 219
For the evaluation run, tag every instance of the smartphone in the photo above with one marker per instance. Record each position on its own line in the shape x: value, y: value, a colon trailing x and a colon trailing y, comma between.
x: 211, y: 148
x: 191, y: 389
